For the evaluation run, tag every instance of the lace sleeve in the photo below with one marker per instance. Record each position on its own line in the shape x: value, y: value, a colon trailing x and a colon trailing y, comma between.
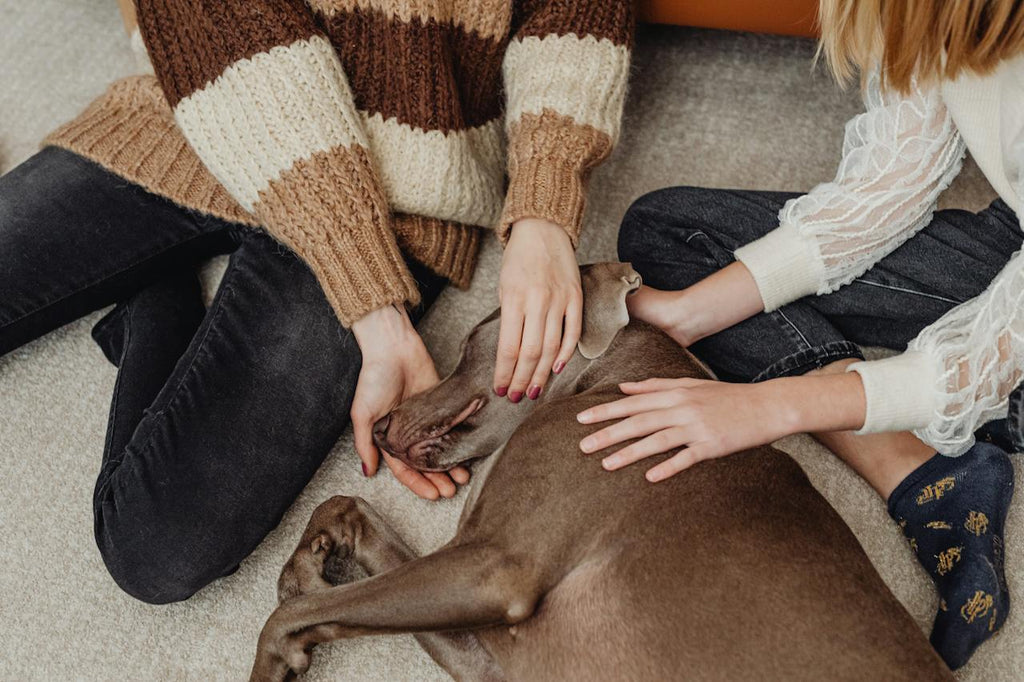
x: 898, y: 156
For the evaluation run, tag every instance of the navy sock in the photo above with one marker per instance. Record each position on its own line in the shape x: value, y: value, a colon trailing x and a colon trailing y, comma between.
x: 952, y: 511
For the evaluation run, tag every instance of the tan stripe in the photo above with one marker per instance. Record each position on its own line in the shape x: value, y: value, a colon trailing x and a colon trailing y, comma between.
x: 130, y: 131
x: 550, y: 157
x: 583, y: 78
x: 329, y: 210
x: 263, y: 114
x: 488, y: 18
x: 459, y: 176
x: 447, y: 248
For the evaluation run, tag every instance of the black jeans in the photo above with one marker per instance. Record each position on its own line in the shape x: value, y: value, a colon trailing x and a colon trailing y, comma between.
x: 219, y: 417
x: 675, y: 237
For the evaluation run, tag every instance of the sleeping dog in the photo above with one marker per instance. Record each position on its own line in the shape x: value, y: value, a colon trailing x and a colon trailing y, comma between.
x: 736, y: 569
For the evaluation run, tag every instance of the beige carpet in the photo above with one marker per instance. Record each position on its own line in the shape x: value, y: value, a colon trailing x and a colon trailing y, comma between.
x: 707, y: 108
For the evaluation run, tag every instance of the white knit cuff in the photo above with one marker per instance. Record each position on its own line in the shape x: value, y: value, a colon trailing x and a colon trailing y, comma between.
x: 783, y: 266
x: 900, y: 392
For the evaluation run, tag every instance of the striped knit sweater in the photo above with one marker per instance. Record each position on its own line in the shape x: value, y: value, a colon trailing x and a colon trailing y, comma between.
x: 354, y: 130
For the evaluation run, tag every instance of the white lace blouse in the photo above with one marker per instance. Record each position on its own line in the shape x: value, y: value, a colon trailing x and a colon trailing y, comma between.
x: 898, y: 157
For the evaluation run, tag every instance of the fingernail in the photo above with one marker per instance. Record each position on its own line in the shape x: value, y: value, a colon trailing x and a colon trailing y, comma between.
x: 652, y: 477
x: 366, y: 472
x: 584, y: 417
x: 515, y: 396
x: 586, y: 445
x: 609, y: 463
x: 559, y: 366
x: 500, y: 391
x: 534, y: 392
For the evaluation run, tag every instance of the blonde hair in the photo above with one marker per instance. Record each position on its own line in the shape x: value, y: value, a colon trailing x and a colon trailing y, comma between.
x: 923, y: 39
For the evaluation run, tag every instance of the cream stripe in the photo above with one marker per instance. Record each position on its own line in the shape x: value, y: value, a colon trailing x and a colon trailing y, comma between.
x: 458, y: 176
x: 265, y: 113
x: 487, y: 18
x: 584, y: 78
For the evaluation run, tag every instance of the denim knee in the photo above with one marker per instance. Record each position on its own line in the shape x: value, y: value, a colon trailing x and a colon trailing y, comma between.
x: 645, y: 226
x: 153, y: 563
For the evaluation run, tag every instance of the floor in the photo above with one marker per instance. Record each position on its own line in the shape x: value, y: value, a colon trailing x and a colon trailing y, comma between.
x: 710, y: 108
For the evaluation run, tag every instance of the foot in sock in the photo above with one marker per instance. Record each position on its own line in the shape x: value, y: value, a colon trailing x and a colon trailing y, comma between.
x: 952, y: 511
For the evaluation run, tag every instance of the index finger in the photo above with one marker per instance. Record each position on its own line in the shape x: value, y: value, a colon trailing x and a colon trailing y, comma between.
x: 625, y: 407
x: 509, y: 338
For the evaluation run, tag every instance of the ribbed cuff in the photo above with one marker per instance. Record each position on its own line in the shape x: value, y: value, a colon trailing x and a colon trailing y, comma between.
x: 549, y: 159
x: 900, y: 392
x: 547, y: 191
x: 783, y: 266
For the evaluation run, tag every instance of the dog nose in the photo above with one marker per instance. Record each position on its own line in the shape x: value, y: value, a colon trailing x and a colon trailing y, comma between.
x: 380, y: 430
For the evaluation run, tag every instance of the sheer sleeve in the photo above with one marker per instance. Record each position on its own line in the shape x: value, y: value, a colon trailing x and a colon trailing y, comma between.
x: 898, y: 156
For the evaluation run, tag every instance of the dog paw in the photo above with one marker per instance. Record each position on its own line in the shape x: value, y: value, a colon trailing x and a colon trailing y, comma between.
x: 325, y: 556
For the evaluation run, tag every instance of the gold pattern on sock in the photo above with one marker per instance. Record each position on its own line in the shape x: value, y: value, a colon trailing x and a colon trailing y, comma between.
x: 943, y: 605
x: 977, y: 606
x: 948, y: 559
x: 976, y: 522
x: 936, y: 490
x: 913, y: 544
x: 992, y: 621
x: 938, y: 525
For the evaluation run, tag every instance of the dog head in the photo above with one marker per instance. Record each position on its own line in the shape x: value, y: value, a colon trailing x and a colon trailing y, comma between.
x: 461, y: 419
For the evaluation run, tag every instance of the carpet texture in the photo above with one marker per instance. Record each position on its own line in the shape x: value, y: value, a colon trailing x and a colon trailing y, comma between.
x: 709, y: 108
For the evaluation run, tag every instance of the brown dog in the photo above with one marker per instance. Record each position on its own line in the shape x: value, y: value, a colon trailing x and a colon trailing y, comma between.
x: 736, y: 569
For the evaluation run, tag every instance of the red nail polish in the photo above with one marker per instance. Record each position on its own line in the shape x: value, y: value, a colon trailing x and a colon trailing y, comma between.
x: 534, y: 392
x: 500, y: 391
x: 365, y: 471
x: 515, y: 396
x: 559, y: 366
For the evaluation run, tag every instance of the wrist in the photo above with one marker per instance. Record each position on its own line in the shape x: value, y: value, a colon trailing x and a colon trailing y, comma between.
x: 818, y: 403
x: 538, y: 227
x: 381, y: 331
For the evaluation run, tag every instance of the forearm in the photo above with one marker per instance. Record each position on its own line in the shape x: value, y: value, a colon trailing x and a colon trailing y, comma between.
x: 818, y: 403
x: 718, y: 302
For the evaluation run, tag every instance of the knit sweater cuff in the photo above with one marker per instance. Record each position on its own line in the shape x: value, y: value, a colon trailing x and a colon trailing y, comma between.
x: 783, y: 266
x: 900, y: 392
x: 549, y: 159
x: 345, y: 237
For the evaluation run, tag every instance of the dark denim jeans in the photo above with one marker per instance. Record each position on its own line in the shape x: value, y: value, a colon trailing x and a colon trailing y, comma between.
x: 675, y: 237
x: 219, y: 417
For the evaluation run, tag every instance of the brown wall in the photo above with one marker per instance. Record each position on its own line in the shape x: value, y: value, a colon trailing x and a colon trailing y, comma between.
x: 789, y: 17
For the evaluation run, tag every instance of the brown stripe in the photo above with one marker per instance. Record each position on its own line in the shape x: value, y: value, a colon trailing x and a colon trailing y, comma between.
x: 486, y: 18
x: 610, y: 19
x: 191, y: 42
x: 427, y: 75
x: 329, y: 209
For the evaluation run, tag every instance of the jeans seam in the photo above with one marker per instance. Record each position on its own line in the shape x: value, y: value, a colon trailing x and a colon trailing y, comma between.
x: 909, y: 291
x: 795, y: 328
x: 93, y: 283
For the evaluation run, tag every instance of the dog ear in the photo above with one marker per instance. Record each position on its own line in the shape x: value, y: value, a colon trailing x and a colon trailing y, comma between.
x: 605, y: 287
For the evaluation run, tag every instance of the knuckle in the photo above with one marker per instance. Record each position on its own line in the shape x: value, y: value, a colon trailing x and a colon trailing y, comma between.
x: 531, y: 352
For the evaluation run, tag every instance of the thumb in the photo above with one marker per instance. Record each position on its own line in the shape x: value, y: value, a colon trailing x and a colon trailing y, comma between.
x: 362, y: 431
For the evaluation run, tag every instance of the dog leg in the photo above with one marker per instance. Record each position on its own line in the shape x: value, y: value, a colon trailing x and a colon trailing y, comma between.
x: 346, y: 529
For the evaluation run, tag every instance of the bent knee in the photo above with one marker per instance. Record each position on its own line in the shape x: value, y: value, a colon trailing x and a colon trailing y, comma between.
x: 155, y: 567
x: 656, y: 220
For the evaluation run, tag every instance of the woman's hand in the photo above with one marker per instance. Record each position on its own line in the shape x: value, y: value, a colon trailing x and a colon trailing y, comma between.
x: 709, y: 419
x: 541, y: 308
x: 396, y: 365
